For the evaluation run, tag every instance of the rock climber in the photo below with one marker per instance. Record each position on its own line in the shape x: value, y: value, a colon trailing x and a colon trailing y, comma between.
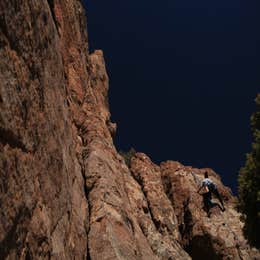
x: 209, y: 188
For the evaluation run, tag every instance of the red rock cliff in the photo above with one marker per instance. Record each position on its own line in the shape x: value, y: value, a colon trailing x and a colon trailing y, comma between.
x: 65, y: 192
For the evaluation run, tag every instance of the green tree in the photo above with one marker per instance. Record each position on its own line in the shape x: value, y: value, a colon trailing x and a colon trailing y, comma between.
x: 128, y: 155
x: 249, y: 183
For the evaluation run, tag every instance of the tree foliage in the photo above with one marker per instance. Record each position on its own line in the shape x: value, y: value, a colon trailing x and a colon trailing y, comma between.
x: 128, y: 155
x: 249, y: 183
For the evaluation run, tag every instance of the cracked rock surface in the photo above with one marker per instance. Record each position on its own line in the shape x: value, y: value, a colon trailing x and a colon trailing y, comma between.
x: 65, y: 192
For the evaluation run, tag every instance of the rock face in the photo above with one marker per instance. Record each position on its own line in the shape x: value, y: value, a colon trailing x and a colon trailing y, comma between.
x: 44, y: 211
x: 65, y: 192
x: 217, y: 237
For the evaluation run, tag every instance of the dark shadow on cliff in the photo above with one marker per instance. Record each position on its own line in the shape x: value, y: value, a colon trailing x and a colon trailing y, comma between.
x: 9, y: 137
x: 201, y: 247
x: 16, y: 235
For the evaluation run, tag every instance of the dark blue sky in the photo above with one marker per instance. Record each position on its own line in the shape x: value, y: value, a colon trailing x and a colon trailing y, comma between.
x: 183, y: 77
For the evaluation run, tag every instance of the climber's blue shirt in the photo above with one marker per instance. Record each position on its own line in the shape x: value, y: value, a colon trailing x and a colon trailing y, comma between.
x: 207, y: 182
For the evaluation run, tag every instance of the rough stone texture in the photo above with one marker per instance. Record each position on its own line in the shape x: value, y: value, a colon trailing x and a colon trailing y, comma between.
x: 119, y: 227
x: 217, y: 237
x: 155, y: 212
x: 65, y: 192
x: 43, y: 212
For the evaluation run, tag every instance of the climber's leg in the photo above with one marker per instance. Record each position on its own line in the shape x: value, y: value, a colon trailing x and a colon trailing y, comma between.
x: 207, y: 202
x: 216, y: 193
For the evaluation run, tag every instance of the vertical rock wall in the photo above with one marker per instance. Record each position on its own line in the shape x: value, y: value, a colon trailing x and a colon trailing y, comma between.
x: 44, y: 212
x: 65, y: 192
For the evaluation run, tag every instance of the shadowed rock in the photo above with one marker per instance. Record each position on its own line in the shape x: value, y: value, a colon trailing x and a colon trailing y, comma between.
x: 65, y: 192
